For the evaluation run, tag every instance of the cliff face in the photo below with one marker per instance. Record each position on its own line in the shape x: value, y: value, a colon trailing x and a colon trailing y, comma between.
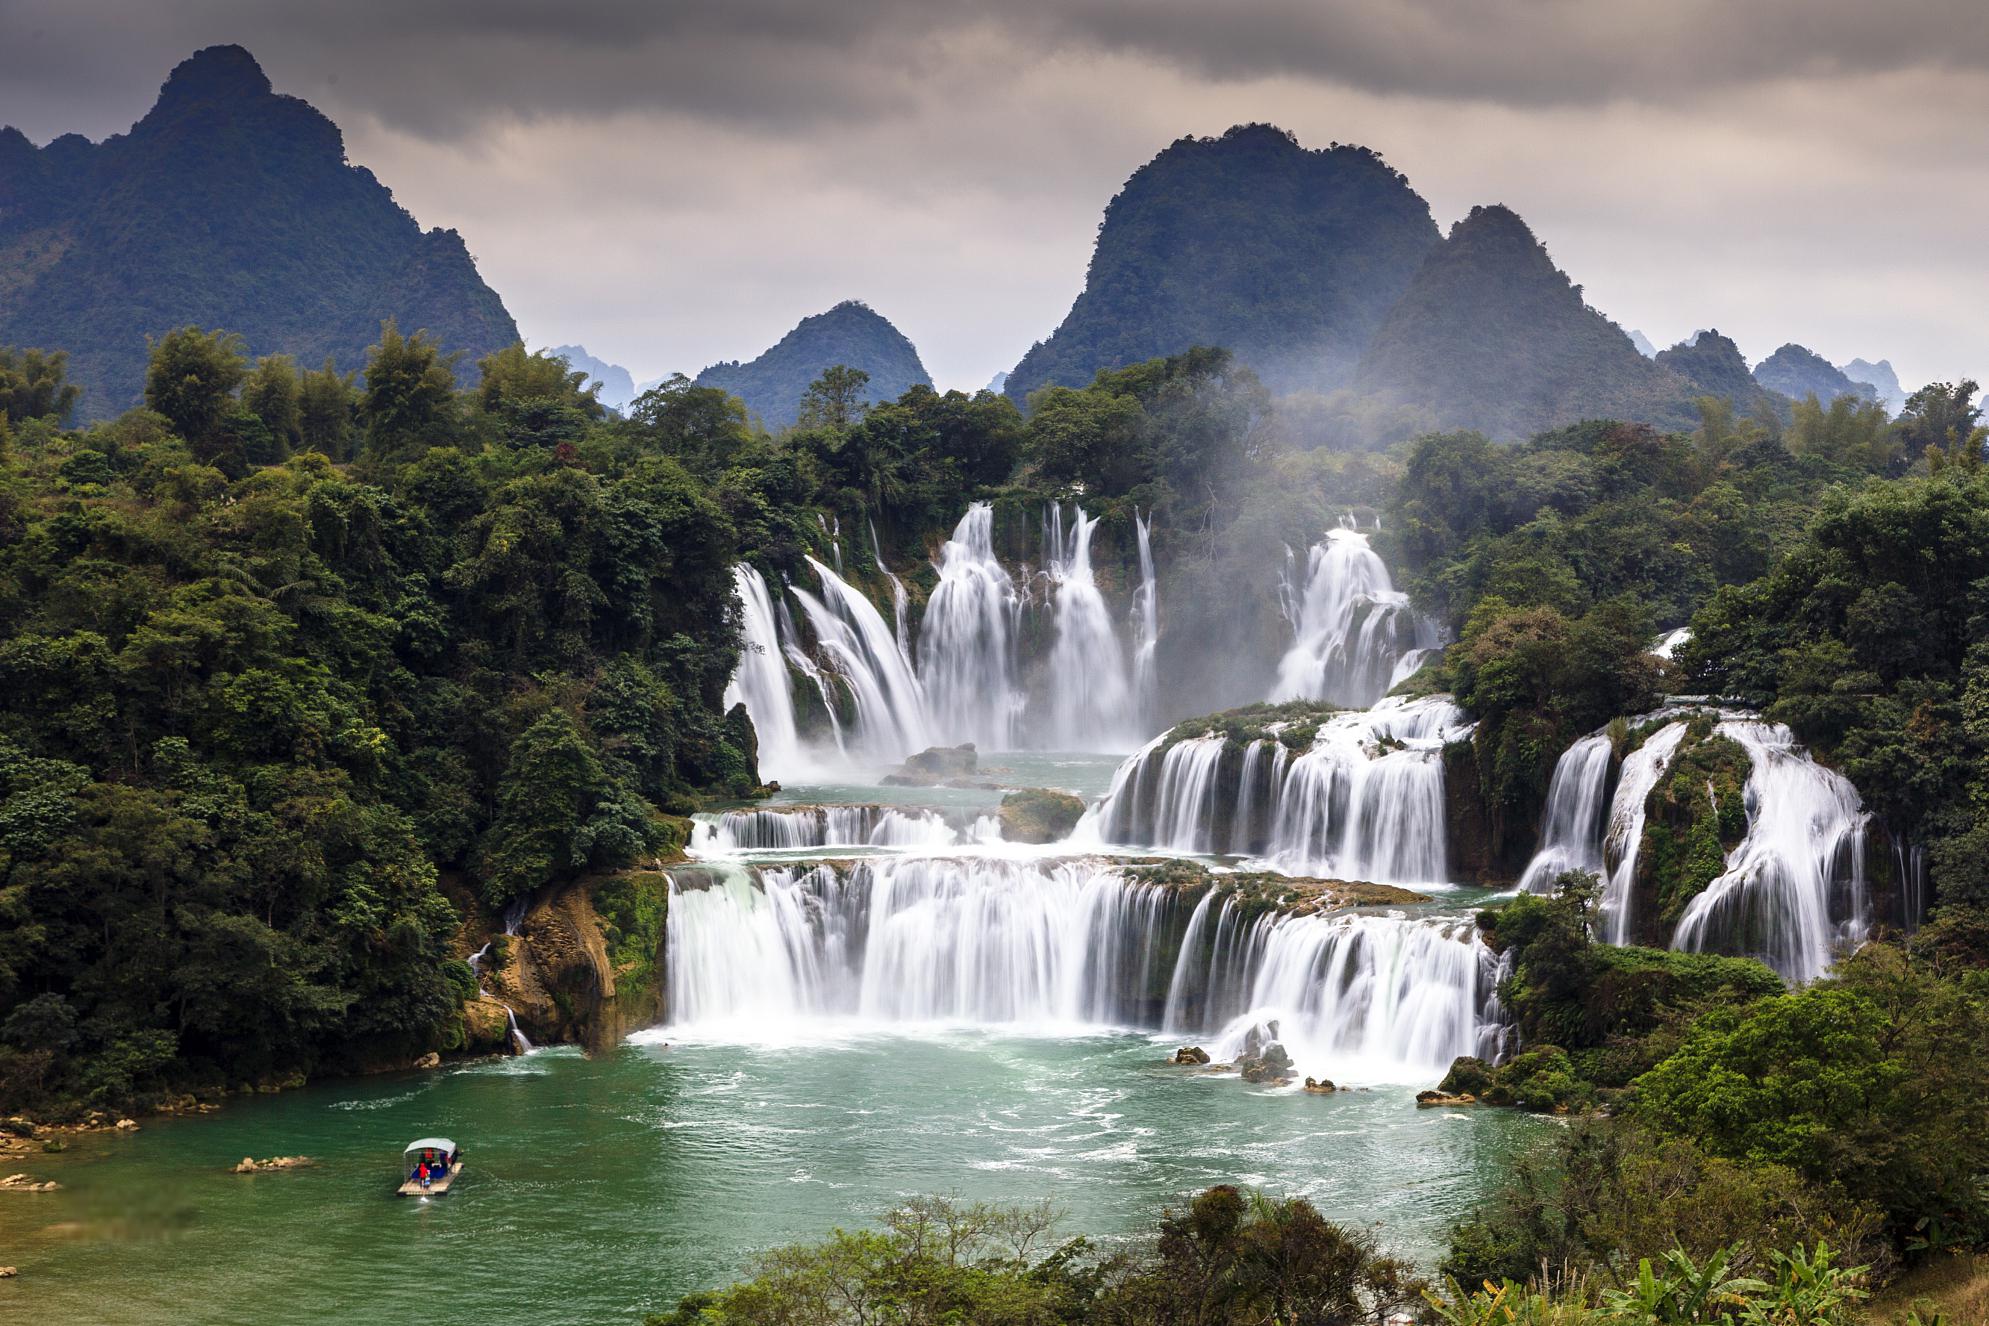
x: 1287, y: 257
x: 586, y: 966
x: 231, y: 206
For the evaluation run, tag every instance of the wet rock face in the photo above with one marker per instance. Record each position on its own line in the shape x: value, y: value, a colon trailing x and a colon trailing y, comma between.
x: 1191, y: 1056
x: 1039, y: 815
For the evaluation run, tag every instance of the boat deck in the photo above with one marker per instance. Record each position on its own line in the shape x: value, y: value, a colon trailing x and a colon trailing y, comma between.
x: 435, y: 1188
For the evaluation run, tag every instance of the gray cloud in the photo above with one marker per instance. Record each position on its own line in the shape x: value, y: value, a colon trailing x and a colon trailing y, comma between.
x: 672, y: 184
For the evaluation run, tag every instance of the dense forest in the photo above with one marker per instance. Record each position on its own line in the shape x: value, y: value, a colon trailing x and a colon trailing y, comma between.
x: 310, y: 674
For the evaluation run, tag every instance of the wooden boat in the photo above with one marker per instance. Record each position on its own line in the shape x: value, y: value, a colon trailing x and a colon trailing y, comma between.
x: 444, y: 1160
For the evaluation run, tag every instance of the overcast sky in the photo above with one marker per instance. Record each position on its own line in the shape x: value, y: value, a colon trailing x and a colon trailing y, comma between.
x: 674, y: 183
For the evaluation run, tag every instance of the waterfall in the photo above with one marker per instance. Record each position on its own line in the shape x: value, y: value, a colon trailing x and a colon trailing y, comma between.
x: 790, y: 828
x: 1641, y: 770
x: 862, y: 652
x: 1093, y: 703
x: 898, y: 599
x: 1146, y: 631
x: 761, y: 683
x: 966, y: 642
x: 1571, y: 828
x: 1364, y: 802
x: 915, y: 940
x: 1072, y: 943
x: 1794, y: 889
x: 1374, y: 996
x: 1667, y: 645
x: 1351, y: 628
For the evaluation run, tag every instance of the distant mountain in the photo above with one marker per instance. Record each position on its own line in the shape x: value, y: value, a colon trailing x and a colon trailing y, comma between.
x: 1492, y: 336
x: 1288, y: 257
x: 226, y: 206
x: 1882, y: 378
x: 850, y: 334
x: 1714, y: 366
x: 1643, y: 344
x: 998, y: 382
x: 1797, y: 371
x: 617, y: 387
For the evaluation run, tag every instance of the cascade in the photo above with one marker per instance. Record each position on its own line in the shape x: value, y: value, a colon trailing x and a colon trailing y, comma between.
x: 787, y: 828
x: 1146, y: 630
x: 1373, y: 996
x: 966, y: 640
x: 1794, y: 889
x: 898, y: 599
x: 761, y: 683
x: 1353, y: 632
x: 1571, y: 828
x: 893, y: 941
x: 864, y: 655
x: 1641, y: 770
x: 1364, y: 801
x: 1092, y: 701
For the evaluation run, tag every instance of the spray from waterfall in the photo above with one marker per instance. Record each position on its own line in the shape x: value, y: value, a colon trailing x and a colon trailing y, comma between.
x: 1093, y: 701
x: 1353, y: 632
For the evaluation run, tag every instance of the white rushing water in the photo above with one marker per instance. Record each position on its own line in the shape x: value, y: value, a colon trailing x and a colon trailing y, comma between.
x: 1093, y: 703
x: 1146, y: 632
x: 1364, y: 801
x: 1794, y: 889
x: 860, y: 649
x: 1572, y: 826
x: 1066, y: 945
x: 1352, y: 630
x: 761, y: 683
x: 967, y: 640
x: 793, y: 828
x: 1793, y: 892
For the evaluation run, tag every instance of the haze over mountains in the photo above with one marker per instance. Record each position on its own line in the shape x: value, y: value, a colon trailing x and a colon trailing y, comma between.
x: 228, y: 205
x: 231, y: 206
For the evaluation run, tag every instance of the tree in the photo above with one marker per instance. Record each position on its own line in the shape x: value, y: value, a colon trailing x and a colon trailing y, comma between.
x: 1941, y: 417
x: 191, y: 380
x: 409, y: 403
x: 272, y: 394
x: 325, y: 404
x: 1849, y: 431
x: 836, y: 399
x: 535, y: 399
x: 33, y: 386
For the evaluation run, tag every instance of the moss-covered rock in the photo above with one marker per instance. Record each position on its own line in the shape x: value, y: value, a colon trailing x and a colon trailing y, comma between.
x: 1697, y: 814
x: 1039, y: 815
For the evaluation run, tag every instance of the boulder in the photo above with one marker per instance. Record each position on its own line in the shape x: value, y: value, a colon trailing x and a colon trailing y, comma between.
x: 1320, y: 1086
x: 430, y: 1060
x: 8, y: 1273
x: 25, y: 1183
x: 1271, y: 1065
x: 934, y: 765
x: 1429, y: 1099
x: 250, y: 1165
x: 127, y: 1125
x: 1039, y: 815
x: 1191, y: 1055
x: 1468, y: 1076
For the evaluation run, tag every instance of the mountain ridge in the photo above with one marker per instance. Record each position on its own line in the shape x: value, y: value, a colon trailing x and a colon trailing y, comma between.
x: 850, y: 333
x: 226, y: 205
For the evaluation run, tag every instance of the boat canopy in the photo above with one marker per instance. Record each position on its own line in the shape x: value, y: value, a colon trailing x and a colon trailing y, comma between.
x: 442, y: 1144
